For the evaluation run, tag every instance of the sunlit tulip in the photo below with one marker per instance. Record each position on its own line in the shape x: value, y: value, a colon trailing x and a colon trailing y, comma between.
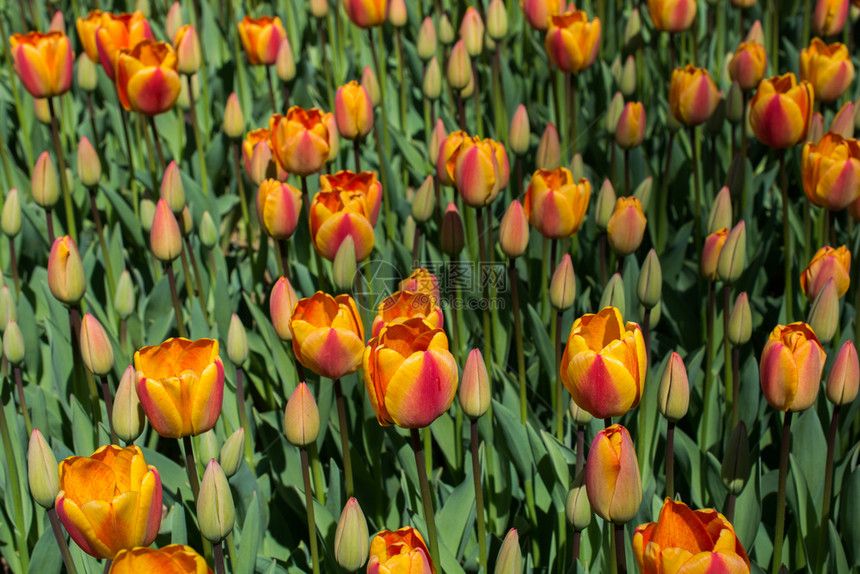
x: 404, y: 305
x: 829, y: 17
x: 261, y: 39
x: 827, y: 263
x: 365, y: 182
x: 612, y: 479
x: 66, y: 272
x: 831, y: 171
x: 472, y: 31
x: 514, y: 230
x: 258, y: 158
x: 278, y: 208
x: 693, y: 95
x: 828, y: 68
x: 351, y: 538
x: 630, y: 130
x: 165, y: 238
x: 300, y: 140
x: 421, y: 281
x: 685, y: 540
x: 328, y: 335
x: 353, y: 111
x: 626, y: 226
x: 402, y: 551
x: 538, y: 12
x: 337, y: 214
x: 555, y: 204
x: 672, y: 15
x: 446, y: 157
x: 119, y: 32
x: 711, y: 253
x: 604, y: 363
x: 476, y: 172
x: 172, y: 559
x: 572, y: 42
x: 748, y: 65
x: 110, y: 501
x: 281, y: 304
x: 86, y: 28
x: 96, y: 348
x: 548, y: 155
x: 180, y: 384
x: 285, y: 62
x: 410, y: 375
x: 844, y: 378
x: 366, y: 13
x: 781, y: 110
x: 791, y: 365
x: 187, y: 46
x: 43, y: 62
x: 147, y: 79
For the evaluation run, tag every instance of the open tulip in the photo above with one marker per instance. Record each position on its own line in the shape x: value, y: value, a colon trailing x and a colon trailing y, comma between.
x: 572, y: 42
x: 693, y: 95
x: 555, y: 204
x: 612, y: 480
x: 117, y: 32
x: 43, y: 62
x: 831, y: 171
x: 147, y: 79
x: 672, y: 15
x: 337, y: 214
x: 748, y: 65
x: 410, y: 375
x: 604, y: 363
x: 476, y: 172
x: 261, y: 39
x: 402, y: 551
x: 180, y: 384
x: 353, y: 111
x: 300, y: 140
x: 686, y: 540
x: 87, y: 33
x: 366, y: 13
x: 626, y: 226
x: 172, y: 559
x: 781, y: 111
x: 278, y: 208
x: 365, y: 182
x: 827, y: 263
x: 110, y: 501
x: 828, y: 68
x: 405, y: 305
x: 791, y: 366
x: 66, y: 272
x: 538, y: 12
x: 421, y: 281
x: 328, y: 335
x: 630, y: 130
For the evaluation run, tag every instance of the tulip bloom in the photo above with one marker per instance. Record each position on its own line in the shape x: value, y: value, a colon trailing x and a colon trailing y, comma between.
x: 711, y: 253
x: 554, y: 204
x: 828, y: 68
x: 672, y: 15
x: 827, y: 263
x: 278, y: 208
x: 791, y: 366
x: 781, y: 111
x: 626, y: 225
x: 829, y: 17
x: 612, y: 480
x: 117, y: 32
x: 336, y: 214
x: 261, y: 39
x: 353, y: 111
x: 173, y: 559
x: 66, y: 271
x: 421, y: 281
x: 328, y: 335
x: 180, y: 384
x: 405, y: 305
x: 604, y: 363
x: 87, y: 32
x: 300, y: 140
x: 686, y: 540
x: 110, y: 501
x: 258, y: 159
x: 538, y: 12
x: 410, y: 375
x: 748, y: 65
x: 693, y: 95
x: 403, y: 551
x: 630, y: 130
x: 572, y: 42
x: 147, y: 79
x: 476, y: 172
x: 446, y: 160
x: 365, y: 183
x: 43, y: 62
x: 831, y: 171
x: 366, y: 13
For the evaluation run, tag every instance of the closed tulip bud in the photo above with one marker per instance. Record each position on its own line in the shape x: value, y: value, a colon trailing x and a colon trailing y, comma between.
x: 673, y: 398
x: 42, y: 111
x: 353, y: 111
x: 474, y: 392
x: 630, y: 129
x: 437, y: 137
x: 186, y: 222
x: 843, y: 122
x: 748, y: 65
x: 89, y: 166
x: 281, y: 304
x: 626, y: 226
x: 10, y: 220
x: 216, y: 512
x: 165, y: 240
x: 301, y: 417
x: 452, y: 239
x: 577, y: 509
x: 613, y: 113
x: 735, y: 469
x: 87, y: 73
x: 319, y: 8
x: 333, y: 137
x: 13, y: 343
x: 605, y: 205
x: 351, y: 537
x: 45, y: 184
x: 829, y: 17
x: 562, y: 290
x: 285, y: 63
x: 613, y: 294
x: 424, y: 203
x: 649, y: 287
x: 612, y: 480
x: 577, y: 167
x: 432, y: 80
x: 721, y: 211
x: 672, y: 15
x: 824, y: 313
x: 208, y: 232
x: 66, y: 272
x: 237, y: 341
x: 740, y: 321
x: 446, y: 30
x: 790, y: 367
x: 207, y: 445
x: 633, y: 31
x: 371, y: 84
x: 711, y: 253
x: 781, y: 111
x: 549, y: 149
x: 426, y: 43
x: 173, y: 20
x: 734, y: 104
x: 129, y: 419
x: 187, y: 46
x: 514, y: 230
x: 844, y: 378
x: 42, y: 471
x: 510, y: 557
x: 344, y: 264
x: 234, y: 121
x: 232, y: 452
x: 497, y: 20
x: 409, y: 227
x: 732, y: 258
x: 580, y: 416
x: 628, y: 76
x: 172, y: 190
x: 96, y: 348
x: 472, y: 32
x: 8, y: 310
x: 693, y: 95
x: 459, y: 67
x: 520, y: 131
x: 397, y: 13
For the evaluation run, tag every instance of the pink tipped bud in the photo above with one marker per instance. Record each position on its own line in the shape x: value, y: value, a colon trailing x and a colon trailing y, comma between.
x: 42, y: 471
x: 165, y: 239
x: 301, y: 417
x: 756, y: 33
x: 844, y: 378
x: 351, y: 537
x: 452, y: 231
x: 281, y: 305
x: 829, y: 17
x: 474, y: 393
x: 459, y: 67
x: 437, y: 137
x: 426, y: 43
x: 562, y: 291
x: 66, y: 272
x: 187, y: 46
x: 520, y: 132
x: 472, y: 32
x: 285, y: 63
x: 549, y: 149
x: 843, y: 123
x: 89, y: 166
x: 128, y: 417
x: 397, y: 14
x: 673, y: 398
x: 234, y: 121
x: 514, y: 230
x: 96, y: 348
x: 173, y: 21
x: 371, y: 84
x: 45, y: 183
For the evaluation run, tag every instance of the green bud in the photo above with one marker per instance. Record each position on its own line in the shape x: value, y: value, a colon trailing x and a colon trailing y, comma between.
x: 721, y: 211
x: 433, y: 80
x: 216, y: 512
x: 42, y: 471
x: 123, y: 300
x: 424, y: 203
x: 459, y: 72
x: 344, y: 264
x: 613, y: 295
x: 89, y: 165
x: 649, y: 287
x: 673, y: 397
x: 128, y: 418
x: 579, y: 415
x: 562, y: 291
x: 8, y: 309
x: 237, y: 341
x: 740, y: 321
x: 616, y: 106
x: 510, y: 557
x: 208, y: 232
x: 735, y: 469
x: 628, y: 77
x: 13, y: 343
x: 643, y: 192
x: 351, y: 537
x: 147, y: 214
x: 371, y: 83
x: 426, y: 43
x: 735, y: 104
x: 615, y: 68
x: 497, y: 20
x: 446, y: 30
x: 234, y: 121
x: 577, y: 167
x: 733, y: 255
x: 10, y: 220
x: 45, y: 183
x: 824, y: 313
x: 233, y: 452
x: 633, y: 32
x: 605, y: 205
x: 88, y: 77
x: 576, y: 507
x: 207, y: 445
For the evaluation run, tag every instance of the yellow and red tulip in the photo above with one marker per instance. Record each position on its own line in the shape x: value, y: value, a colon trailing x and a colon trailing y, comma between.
x: 781, y: 110
x: 748, y: 65
x: 693, y: 95
x: 365, y: 182
x: 278, y: 208
x: 626, y: 226
x: 119, y: 32
x: 538, y: 12
x: 366, y: 13
x: 421, y: 281
x: 612, y: 480
x: 404, y: 305
x: 66, y: 277
x: 572, y: 42
x: 300, y: 140
x: 261, y: 39
x: 328, y: 335
x: 172, y: 559
x: 446, y: 158
x: 672, y: 15
x: 110, y: 501
x: 281, y: 304
x: 147, y: 78
x: 791, y: 366
x: 829, y: 17
x: 353, y: 111
x: 828, y: 68
x: 831, y: 171
x: 514, y: 230
x: 43, y: 62
x: 476, y: 172
x: 258, y: 159
x: 555, y: 204
x: 827, y: 263
x: 87, y: 33
x: 187, y: 46
x: 180, y: 384
x: 337, y: 214
x: 711, y: 253
x: 630, y: 130
x: 400, y: 552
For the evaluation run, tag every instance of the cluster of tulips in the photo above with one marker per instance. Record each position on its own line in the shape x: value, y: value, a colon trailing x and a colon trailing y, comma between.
x: 413, y: 347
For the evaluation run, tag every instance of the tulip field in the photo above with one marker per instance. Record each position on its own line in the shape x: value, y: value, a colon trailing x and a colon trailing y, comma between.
x: 429, y: 286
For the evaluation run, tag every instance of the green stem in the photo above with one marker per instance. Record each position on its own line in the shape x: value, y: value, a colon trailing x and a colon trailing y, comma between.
x: 828, y: 490
x: 619, y: 556
x: 177, y: 308
x: 309, y: 506
x: 23, y: 400
x: 479, y: 496
x: 518, y: 333
x: 559, y: 403
x: 381, y: 76
x: 102, y: 242
x: 106, y: 395
x: 786, y: 237
x: 780, y: 493
x: 197, y: 138
x: 401, y: 69
x: 61, y: 542
x: 61, y: 164
x: 191, y: 466
x: 670, y: 460
x: 482, y: 260
x: 243, y: 417
x: 694, y: 141
x: 344, y: 438
x: 429, y: 516
x: 736, y: 383
x: 219, y: 559
x: 727, y: 365
x: 15, y: 489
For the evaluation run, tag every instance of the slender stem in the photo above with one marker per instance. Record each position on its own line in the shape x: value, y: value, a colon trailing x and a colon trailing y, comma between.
x: 61, y: 542
x: 429, y: 516
x: 106, y: 394
x: 780, y: 493
x: 177, y: 308
x: 627, y: 188
x: 129, y: 154
x: 476, y: 94
x: 461, y: 111
x: 219, y: 559
x: 559, y: 406
x: 356, y: 151
x: 92, y: 113
x: 401, y: 70
x: 23, y: 400
x: 242, y: 200
x: 416, y: 246
x: 15, y: 488
x: 479, y: 496
x: 198, y: 278
x: 284, y: 248
x: 49, y: 221
x: 108, y: 564
x: 13, y: 262
x: 381, y: 74
x: 709, y: 348
x: 187, y: 280
x: 344, y: 437
x: 482, y: 260
x: 157, y: 141
x: 620, y: 558
x: 786, y: 237
x: 580, y: 448
x: 670, y: 460
x: 577, y: 536
x: 696, y: 190
x: 828, y: 490
x: 191, y: 466
x: 243, y: 416
x: 727, y: 366
x: 61, y: 164
x: 102, y: 242
x: 197, y: 138
x: 736, y: 359
x: 309, y: 506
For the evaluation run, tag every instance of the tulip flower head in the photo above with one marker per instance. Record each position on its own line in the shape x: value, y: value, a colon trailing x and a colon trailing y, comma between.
x: 843, y: 381
x: 572, y: 42
x: 672, y: 15
x: 831, y: 171
x: 555, y: 204
x: 110, y: 501
x: 328, y: 335
x: 281, y: 304
x: 278, y: 208
x: 791, y: 365
x: 538, y: 12
x: 829, y: 17
x: 476, y: 172
x: 403, y: 550
x: 300, y: 140
x: 780, y: 112
x: 351, y: 538
x: 366, y: 13
x: 353, y: 111
x: 117, y: 32
x: 147, y: 78
x: 404, y: 305
x: 423, y: 282
x: 365, y: 183
x: 180, y: 384
x: 827, y: 263
x: 187, y: 46
x: 630, y: 130
x: 612, y: 480
x: 514, y: 230
x: 66, y: 272
x: 626, y: 226
x: 828, y: 68
x: 337, y: 214
x: 86, y: 28
x: 172, y: 559
x: 261, y: 39
x: 748, y: 65
x: 693, y: 95
x: 43, y: 62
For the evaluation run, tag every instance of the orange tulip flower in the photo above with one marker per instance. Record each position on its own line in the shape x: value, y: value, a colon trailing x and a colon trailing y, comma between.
x: 366, y: 13
x: 87, y: 32
x: 400, y: 552
x: 328, y: 335
x: 476, y: 172
x: 258, y: 159
x: 147, y: 78
x: 117, y: 32
x: 781, y: 111
x: 612, y: 480
x: 555, y: 204
x: 791, y: 365
x: 829, y: 17
x: 630, y: 130
x: 353, y: 111
x: 300, y: 140
x: 110, y: 501
x: 365, y: 183
x: 173, y: 559
x: 43, y: 62
x: 672, y: 15
x: 410, y: 375
x: 447, y: 157
x: 261, y: 39
x: 278, y: 208
x: 626, y: 226
x: 572, y: 42
x: 604, y: 363
x: 827, y: 263
x: 693, y: 95
x: 686, y: 540
x: 831, y: 171
x: 828, y: 68
x: 404, y: 305
x: 421, y: 281
x: 538, y: 12
x: 748, y: 65
x: 336, y: 214
x: 180, y: 384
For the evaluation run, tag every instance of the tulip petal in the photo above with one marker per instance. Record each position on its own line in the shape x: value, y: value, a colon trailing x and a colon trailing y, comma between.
x: 208, y: 398
x: 422, y: 388
x: 80, y: 528
x: 153, y: 90
x: 332, y: 353
x: 778, y: 375
x: 611, y: 388
x: 160, y: 400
